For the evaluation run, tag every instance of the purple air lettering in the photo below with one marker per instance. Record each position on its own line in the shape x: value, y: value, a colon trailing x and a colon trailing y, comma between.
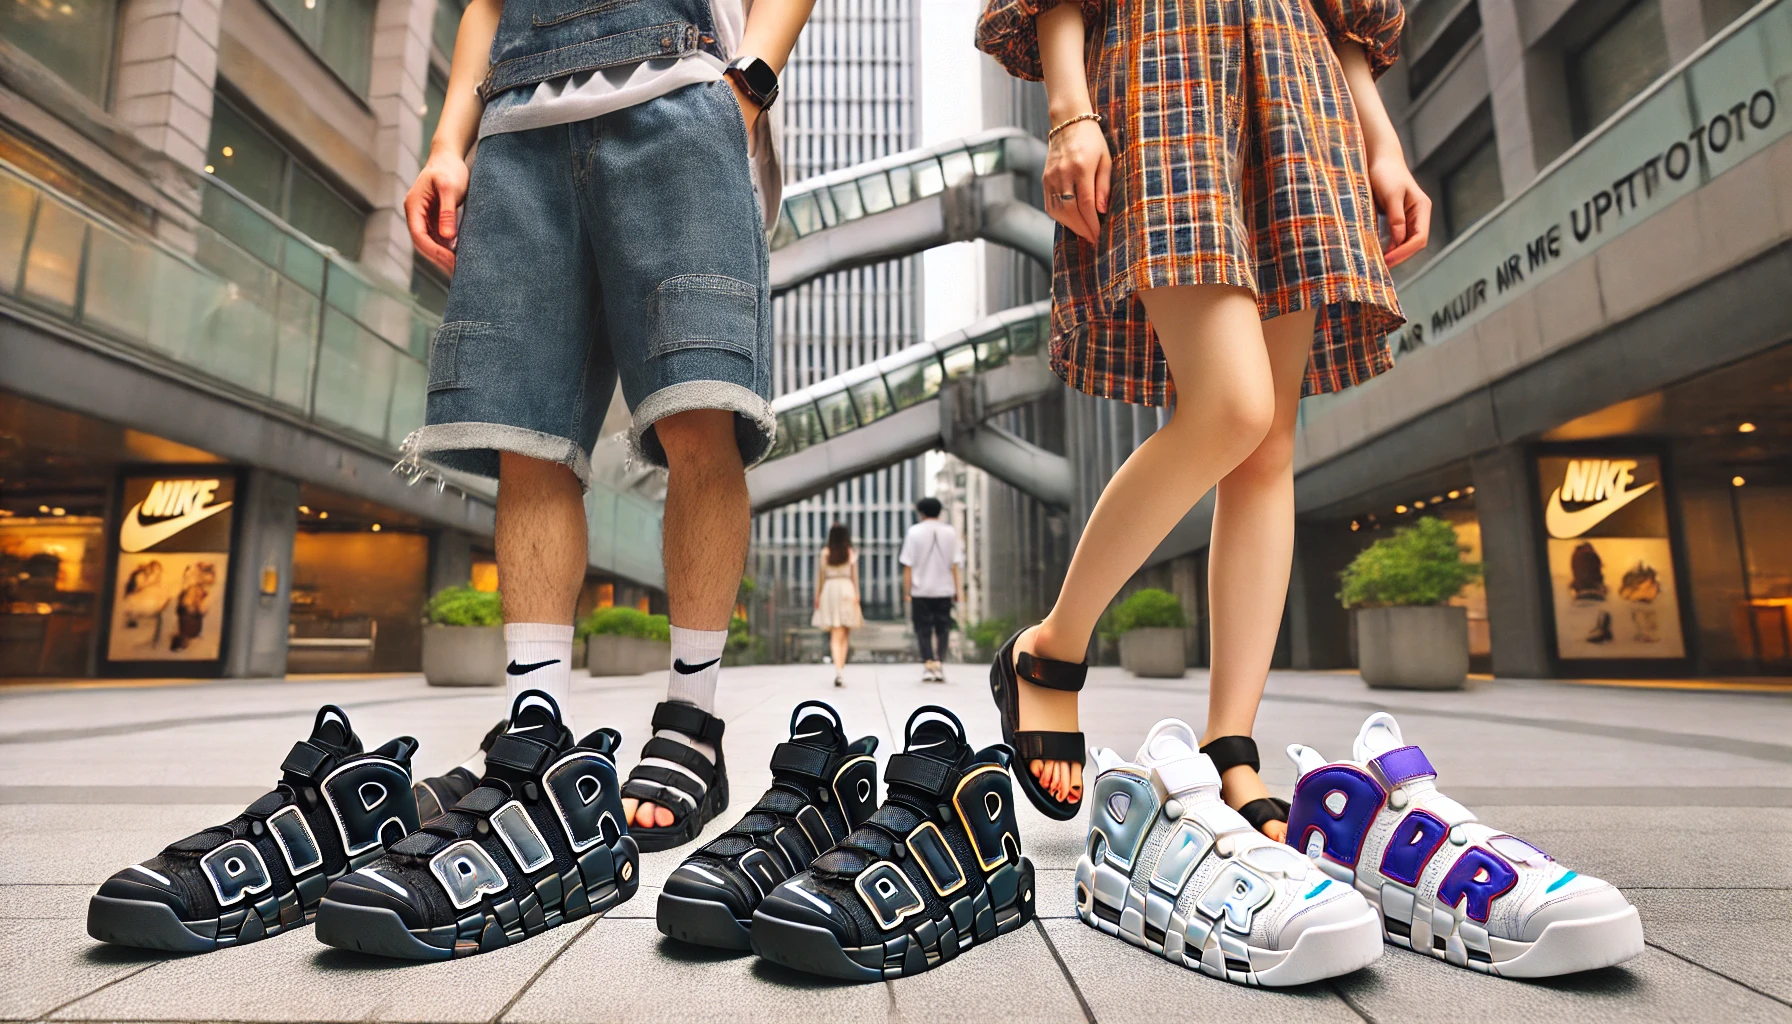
x: 1345, y: 830
x: 1464, y: 880
x: 1414, y: 843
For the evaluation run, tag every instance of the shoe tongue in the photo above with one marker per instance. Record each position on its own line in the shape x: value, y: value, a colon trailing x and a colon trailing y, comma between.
x: 937, y: 740
x: 1185, y: 771
x: 332, y: 730
x: 818, y: 730
x: 536, y: 718
x: 1380, y: 734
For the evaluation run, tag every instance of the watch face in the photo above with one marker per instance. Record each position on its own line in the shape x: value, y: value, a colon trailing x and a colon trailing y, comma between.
x: 759, y: 77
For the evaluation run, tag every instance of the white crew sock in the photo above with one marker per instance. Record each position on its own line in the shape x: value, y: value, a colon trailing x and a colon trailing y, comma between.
x: 540, y: 655
x: 700, y: 649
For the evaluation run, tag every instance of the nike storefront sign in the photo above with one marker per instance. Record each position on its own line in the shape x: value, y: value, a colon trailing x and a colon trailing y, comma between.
x: 1600, y: 486
x: 170, y: 507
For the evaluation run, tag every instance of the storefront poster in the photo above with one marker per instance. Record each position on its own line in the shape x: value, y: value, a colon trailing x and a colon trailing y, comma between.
x: 172, y: 561
x: 1611, y: 561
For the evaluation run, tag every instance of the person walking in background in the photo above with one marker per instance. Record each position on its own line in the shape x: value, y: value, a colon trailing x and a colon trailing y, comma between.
x: 837, y: 608
x: 931, y: 555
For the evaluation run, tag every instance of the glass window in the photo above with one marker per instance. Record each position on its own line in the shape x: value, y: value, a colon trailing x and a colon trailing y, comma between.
x: 928, y: 180
x: 960, y: 361
x: 804, y: 217
x: 448, y: 14
x: 956, y: 167
x: 1023, y: 337
x: 435, y: 93
x: 1472, y: 189
x: 73, y: 38
x: 340, y: 31
x: 252, y: 162
x: 1616, y: 64
x: 1719, y: 13
x: 846, y: 200
x: 988, y: 158
x: 876, y: 190
x: 872, y: 399
x: 992, y: 350
x: 914, y: 382
x: 1436, y: 31
x: 428, y: 286
x: 902, y: 185
x: 836, y: 413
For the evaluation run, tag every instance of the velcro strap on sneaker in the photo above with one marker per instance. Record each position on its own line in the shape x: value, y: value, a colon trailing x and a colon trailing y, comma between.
x: 681, y: 755
x: 519, y: 753
x: 1228, y: 752
x: 1401, y: 765
x: 305, y: 761
x: 483, y: 800
x: 1186, y: 773
x: 923, y: 773
x: 1053, y: 675
x: 689, y: 719
x: 800, y: 759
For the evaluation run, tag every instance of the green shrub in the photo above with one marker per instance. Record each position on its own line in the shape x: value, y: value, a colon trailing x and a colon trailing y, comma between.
x: 622, y: 621
x: 1420, y: 564
x: 738, y: 637
x: 989, y: 635
x: 464, y: 606
x: 1150, y: 608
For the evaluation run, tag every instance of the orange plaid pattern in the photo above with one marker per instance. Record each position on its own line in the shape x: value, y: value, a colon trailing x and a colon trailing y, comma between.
x: 1237, y: 160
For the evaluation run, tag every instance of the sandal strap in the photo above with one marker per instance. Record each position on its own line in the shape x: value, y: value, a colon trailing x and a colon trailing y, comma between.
x: 1228, y: 752
x: 681, y: 755
x: 647, y: 780
x: 800, y: 759
x: 1033, y: 745
x: 923, y: 773
x: 1053, y: 675
x: 689, y: 719
x: 1263, y: 810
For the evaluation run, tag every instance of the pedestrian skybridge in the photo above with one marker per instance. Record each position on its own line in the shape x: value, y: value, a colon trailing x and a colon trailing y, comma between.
x: 937, y: 394
x: 911, y: 202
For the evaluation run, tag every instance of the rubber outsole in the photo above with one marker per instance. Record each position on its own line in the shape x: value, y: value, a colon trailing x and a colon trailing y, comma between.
x: 372, y: 930
x: 808, y: 948
x: 1569, y: 947
x: 1328, y: 951
x: 702, y: 923
x: 143, y: 924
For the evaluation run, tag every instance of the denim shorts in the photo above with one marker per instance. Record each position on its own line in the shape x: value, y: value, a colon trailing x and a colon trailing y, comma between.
x: 630, y: 245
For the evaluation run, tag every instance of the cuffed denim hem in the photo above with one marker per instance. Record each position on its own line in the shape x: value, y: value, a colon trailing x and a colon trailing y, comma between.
x: 473, y: 447
x: 755, y: 428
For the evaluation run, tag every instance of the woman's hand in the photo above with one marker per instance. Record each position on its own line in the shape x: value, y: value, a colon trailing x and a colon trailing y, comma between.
x: 430, y: 208
x: 1077, y: 165
x: 749, y: 111
x: 1403, y: 203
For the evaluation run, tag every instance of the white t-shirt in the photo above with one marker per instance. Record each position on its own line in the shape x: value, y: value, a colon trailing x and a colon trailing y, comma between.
x: 930, y: 551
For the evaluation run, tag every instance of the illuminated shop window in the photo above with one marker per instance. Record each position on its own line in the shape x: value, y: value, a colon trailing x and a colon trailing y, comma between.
x: 248, y: 159
x: 73, y: 38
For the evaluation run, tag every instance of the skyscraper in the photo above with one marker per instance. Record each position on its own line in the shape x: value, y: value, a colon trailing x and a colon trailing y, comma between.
x: 848, y: 97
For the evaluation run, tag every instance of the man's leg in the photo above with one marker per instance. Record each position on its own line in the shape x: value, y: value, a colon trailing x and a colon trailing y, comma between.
x: 708, y: 521
x: 923, y: 627
x: 540, y: 539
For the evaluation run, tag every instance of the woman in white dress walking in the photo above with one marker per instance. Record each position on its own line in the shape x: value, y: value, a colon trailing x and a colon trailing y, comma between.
x: 837, y: 596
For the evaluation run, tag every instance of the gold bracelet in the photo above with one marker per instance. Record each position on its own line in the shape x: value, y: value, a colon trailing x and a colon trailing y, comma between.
x: 1097, y: 118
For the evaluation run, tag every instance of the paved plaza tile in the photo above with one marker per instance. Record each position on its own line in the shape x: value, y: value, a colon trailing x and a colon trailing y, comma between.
x: 1684, y: 799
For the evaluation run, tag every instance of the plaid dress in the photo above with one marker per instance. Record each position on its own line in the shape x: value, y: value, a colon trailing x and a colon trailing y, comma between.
x: 1237, y: 160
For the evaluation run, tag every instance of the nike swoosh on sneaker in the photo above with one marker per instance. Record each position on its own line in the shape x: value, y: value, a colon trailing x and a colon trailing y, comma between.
x: 522, y: 670
x: 682, y: 669
x: 520, y: 728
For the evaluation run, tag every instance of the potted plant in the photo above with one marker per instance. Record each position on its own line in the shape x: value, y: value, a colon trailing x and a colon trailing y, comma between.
x: 987, y: 636
x: 1408, y: 636
x: 463, y: 642
x: 1149, y: 626
x: 625, y: 642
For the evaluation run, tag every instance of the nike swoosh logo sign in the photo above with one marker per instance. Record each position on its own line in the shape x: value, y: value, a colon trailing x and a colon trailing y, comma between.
x: 688, y: 670
x: 1564, y: 524
x: 522, y: 670
x: 135, y: 535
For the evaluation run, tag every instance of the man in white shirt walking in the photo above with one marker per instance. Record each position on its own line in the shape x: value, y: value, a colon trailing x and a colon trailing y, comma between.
x: 931, y: 556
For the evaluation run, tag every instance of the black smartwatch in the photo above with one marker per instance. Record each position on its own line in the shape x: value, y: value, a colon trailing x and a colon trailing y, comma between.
x: 755, y: 78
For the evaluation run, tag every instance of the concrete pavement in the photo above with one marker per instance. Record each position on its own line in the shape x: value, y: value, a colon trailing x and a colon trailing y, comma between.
x: 1684, y: 799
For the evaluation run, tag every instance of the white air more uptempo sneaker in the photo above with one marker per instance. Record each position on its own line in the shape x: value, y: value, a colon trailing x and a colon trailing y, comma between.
x: 1446, y: 884
x: 1172, y: 869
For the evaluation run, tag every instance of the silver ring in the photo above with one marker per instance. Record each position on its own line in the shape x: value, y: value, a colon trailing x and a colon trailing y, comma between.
x: 1065, y: 197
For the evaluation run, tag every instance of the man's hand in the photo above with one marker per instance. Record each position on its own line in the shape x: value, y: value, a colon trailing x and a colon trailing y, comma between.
x: 430, y: 208
x: 1406, y: 206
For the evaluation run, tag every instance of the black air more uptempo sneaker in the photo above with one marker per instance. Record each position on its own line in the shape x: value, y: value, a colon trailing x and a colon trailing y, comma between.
x: 440, y: 792
x: 540, y: 842
x: 823, y: 787
x: 265, y: 870
x: 935, y: 871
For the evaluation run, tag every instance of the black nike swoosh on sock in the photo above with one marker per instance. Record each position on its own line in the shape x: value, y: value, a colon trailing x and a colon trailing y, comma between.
x: 682, y: 669
x: 522, y: 670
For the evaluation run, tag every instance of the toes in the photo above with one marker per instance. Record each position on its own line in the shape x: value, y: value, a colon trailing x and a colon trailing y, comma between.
x: 644, y: 815
x: 1057, y: 783
x: 1076, y: 779
x: 628, y: 809
x: 1038, y: 770
x: 662, y: 817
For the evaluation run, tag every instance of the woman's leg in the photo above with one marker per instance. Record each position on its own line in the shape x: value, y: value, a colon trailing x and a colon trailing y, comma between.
x: 838, y: 637
x: 1249, y: 559
x: 1213, y: 340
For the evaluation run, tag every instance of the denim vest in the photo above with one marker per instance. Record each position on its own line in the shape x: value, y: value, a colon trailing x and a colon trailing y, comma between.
x: 542, y: 39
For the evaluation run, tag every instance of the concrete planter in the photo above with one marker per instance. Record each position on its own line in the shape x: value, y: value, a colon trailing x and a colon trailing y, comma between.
x: 609, y: 655
x: 1156, y: 652
x: 1423, y: 647
x: 463, y: 655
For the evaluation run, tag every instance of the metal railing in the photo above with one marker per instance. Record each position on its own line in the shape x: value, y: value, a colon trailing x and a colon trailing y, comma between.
x: 831, y: 200
x: 862, y: 396
x: 254, y: 304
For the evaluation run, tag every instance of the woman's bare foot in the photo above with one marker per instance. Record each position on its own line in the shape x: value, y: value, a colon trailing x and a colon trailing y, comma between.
x: 645, y: 814
x: 1239, y: 785
x: 1048, y: 710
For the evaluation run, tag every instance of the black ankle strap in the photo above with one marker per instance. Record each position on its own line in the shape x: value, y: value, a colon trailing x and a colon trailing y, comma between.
x: 689, y: 719
x: 1229, y: 752
x: 1053, y: 675
x: 932, y: 777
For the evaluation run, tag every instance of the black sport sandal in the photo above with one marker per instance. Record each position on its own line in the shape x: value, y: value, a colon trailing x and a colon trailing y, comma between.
x: 695, y: 791
x: 823, y: 787
x: 1229, y: 752
x: 440, y: 792
x: 935, y: 871
x: 540, y: 842
x: 264, y: 871
x: 1036, y: 745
